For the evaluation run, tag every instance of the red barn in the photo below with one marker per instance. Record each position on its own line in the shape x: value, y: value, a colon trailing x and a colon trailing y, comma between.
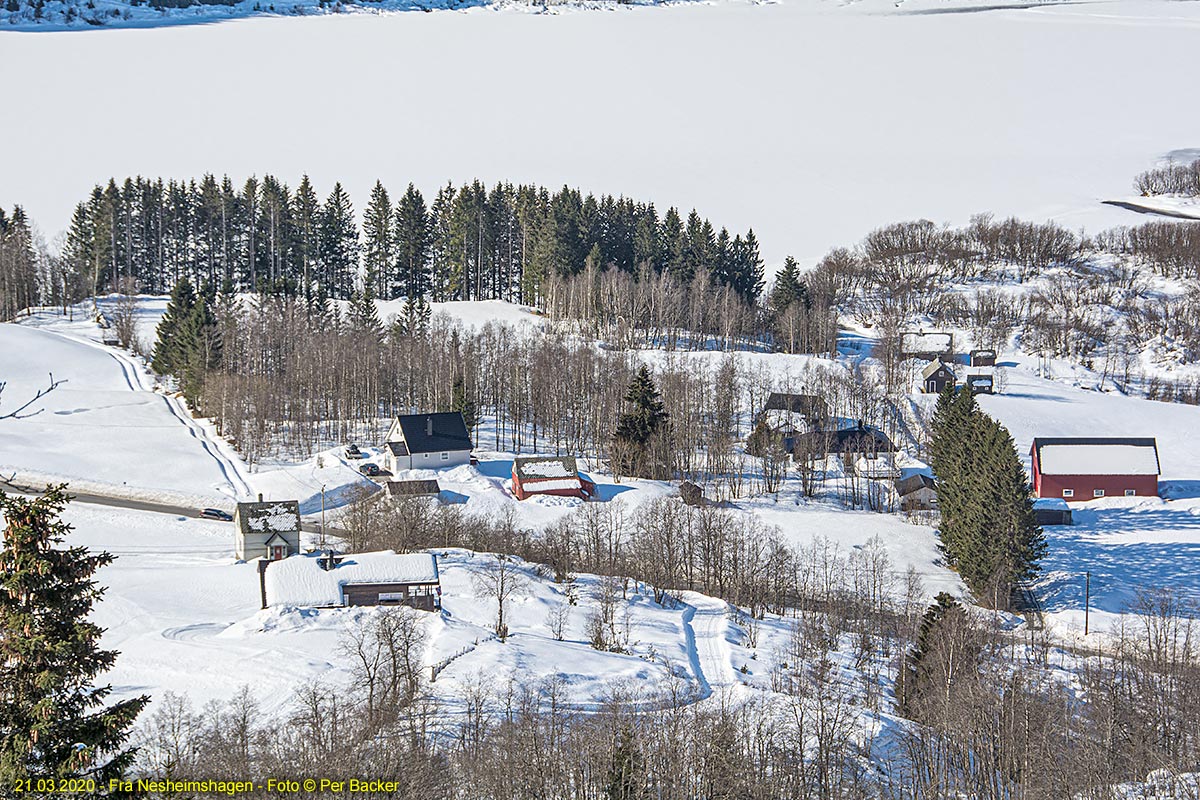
x: 553, y: 475
x: 1083, y: 469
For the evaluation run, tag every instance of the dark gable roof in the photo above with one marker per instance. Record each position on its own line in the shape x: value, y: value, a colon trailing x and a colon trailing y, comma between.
x: 810, y: 405
x: 567, y: 468
x: 435, y: 433
x: 413, y: 488
x: 863, y: 439
x: 273, y: 515
x: 913, y: 483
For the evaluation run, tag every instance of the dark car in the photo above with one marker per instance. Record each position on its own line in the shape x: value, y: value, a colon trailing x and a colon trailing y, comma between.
x: 352, y: 451
x: 216, y: 513
x: 369, y: 469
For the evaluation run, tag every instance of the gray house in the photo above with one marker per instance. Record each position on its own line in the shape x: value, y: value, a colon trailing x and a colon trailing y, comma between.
x: 917, y: 493
x: 427, y: 441
x: 268, y: 530
x: 935, y: 378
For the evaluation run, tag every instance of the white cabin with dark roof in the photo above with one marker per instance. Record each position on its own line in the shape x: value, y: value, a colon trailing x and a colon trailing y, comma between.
x: 269, y: 530
x: 427, y: 441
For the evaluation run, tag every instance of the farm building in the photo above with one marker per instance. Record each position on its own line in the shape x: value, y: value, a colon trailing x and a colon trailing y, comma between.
x: 982, y: 358
x: 917, y: 493
x: 268, y: 530
x: 790, y: 414
x: 936, y: 377
x: 980, y: 384
x: 360, y: 579
x: 860, y: 439
x: 1052, y: 511
x: 552, y: 475
x: 415, y: 488
x: 931, y: 345
x: 1082, y: 469
x: 427, y: 441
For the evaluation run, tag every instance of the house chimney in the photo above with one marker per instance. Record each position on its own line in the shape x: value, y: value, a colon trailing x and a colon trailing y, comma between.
x: 429, y: 426
x: 260, y: 497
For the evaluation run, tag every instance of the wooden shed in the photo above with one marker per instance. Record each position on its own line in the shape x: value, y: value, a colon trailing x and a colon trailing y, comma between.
x: 983, y: 358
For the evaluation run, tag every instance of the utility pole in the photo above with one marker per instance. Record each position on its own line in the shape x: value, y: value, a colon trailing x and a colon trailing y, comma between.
x: 322, y: 545
x: 1087, y: 599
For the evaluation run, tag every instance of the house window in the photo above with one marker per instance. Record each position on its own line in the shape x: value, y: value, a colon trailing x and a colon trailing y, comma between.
x: 1130, y: 492
x: 1068, y: 492
x: 1097, y: 493
x: 445, y: 456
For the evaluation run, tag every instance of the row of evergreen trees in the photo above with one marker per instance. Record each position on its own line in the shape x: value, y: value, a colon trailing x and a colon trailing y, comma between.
x: 988, y: 528
x: 471, y: 243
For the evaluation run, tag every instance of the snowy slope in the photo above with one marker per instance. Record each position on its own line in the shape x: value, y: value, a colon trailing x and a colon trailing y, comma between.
x: 105, y: 424
x: 849, y: 117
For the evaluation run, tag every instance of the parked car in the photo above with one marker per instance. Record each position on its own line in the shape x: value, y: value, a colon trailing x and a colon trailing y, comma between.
x: 369, y: 469
x: 352, y: 451
x: 216, y: 513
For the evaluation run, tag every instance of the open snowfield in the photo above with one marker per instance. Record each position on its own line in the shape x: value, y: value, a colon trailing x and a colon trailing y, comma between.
x: 811, y: 121
x: 186, y: 617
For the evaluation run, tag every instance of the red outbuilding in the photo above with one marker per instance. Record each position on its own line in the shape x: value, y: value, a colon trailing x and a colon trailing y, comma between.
x: 553, y: 475
x: 1084, y: 469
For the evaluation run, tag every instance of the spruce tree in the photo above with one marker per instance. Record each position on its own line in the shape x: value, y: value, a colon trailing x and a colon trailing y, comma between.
x: 364, y: 317
x: 167, y: 359
x: 410, y: 274
x: 379, y: 243
x: 53, y: 721
x: 462, y: 402
x: 639, y: 443
x: 198, y: 348
x: 338, y: 243
x: 788, y: 288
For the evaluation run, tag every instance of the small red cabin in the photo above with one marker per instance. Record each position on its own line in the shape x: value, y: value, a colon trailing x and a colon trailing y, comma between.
x: 1085, y: 469
x: 552, y: 475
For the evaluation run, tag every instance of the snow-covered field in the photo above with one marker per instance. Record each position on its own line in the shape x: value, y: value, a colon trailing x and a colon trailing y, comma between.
x: 811, y: 121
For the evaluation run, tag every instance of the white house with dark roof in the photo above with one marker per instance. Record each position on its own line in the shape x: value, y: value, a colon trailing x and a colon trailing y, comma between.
x: 269, y: 530
x: 427, y: 441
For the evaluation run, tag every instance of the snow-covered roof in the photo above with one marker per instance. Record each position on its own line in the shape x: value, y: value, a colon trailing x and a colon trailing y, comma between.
x: 927, y: 342
x: 279, y: 515
x: 300, y: 580
x: 1096, y: 456
x: 545, y: 468
x: 1051, y: 504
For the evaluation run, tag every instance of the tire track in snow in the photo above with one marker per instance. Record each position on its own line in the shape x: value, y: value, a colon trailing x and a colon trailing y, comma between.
x: 134, y: 380
x: 705, y: 626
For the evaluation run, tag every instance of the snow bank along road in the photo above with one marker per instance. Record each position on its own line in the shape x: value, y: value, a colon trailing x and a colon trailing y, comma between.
x: 105, y: 425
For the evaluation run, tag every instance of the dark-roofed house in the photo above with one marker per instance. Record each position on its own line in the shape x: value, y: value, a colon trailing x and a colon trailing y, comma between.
x: 983, y: 358
x: 417, y: 488
x: 427, y: 441
x: 862, y: 439
x: 553, y: 475
x: 810, y: 406
x: 1085, y: 468
x: 916, y: 493
x: 936, y: 377
x: 269, y: 530
x: 356, y: 579
x: 980, y: 384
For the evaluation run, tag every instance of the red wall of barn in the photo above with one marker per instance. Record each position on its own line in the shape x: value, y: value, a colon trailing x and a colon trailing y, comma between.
x: 1085, y: 485
x: 522, y: 490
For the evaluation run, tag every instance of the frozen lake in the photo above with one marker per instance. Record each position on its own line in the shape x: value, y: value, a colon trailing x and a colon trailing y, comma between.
x: 811, y: 122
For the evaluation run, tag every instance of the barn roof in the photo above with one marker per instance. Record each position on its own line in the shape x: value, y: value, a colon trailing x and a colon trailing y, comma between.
x: 300, y: 580
x: 541, y: 468
x: 1096, y: 456
x: 275, y: 515
x: 412, y: 488
x: 434, y: 433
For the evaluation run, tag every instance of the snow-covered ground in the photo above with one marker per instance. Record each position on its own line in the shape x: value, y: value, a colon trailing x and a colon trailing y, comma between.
x: 812, y: 122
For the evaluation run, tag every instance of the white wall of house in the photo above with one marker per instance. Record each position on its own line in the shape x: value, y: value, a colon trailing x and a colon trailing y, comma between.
x: 251, y: 545
x: 445, y: 459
